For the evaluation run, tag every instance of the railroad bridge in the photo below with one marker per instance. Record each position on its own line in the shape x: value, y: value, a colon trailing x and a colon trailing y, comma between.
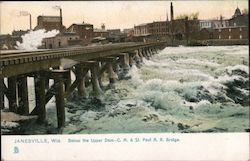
x: 44, y: 65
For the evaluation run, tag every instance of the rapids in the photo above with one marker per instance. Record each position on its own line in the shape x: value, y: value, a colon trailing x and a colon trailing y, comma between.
x: 181, y: 89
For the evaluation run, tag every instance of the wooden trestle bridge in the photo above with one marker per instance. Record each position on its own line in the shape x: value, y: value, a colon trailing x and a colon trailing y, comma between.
x: 47, y: 64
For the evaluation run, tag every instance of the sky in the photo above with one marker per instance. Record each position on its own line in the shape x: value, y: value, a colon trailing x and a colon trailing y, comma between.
x: 114, y: 14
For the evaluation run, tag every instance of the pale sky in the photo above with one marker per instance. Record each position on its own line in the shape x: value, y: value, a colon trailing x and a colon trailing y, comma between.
x: 114, y: 14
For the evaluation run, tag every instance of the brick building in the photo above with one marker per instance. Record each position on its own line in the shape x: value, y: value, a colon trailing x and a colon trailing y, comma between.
x: 159, y: 28
x: 101, y: 32
x: 84, y: 30
x: 238, y: 32
x: 49, y: 23
x: 61, y: 40
x: 141, y: 30
x: 206, y: 33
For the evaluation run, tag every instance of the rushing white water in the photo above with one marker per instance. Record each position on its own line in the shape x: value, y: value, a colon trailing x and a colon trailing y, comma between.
x: 181, y: 89
x: 33, y: 39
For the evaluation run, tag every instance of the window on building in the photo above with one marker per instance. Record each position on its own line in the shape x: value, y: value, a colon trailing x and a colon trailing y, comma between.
x: 229, y: 37
x: 59, y: 44
x: 240, y: 29
x: 219, y: 37
x: 229, y: 30
x: 240, y: 36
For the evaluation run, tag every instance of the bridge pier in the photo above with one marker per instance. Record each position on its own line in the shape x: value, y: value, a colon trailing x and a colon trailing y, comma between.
x: 149, y: 52
x: 99, y: 66
x: 40, y: 95
x: 67, y: 79
x: 112, y: 75
x: 80, y: 75
x: 41, y: 65
x: 47, y: 83
x: 140, y: 55
x: 59, y: 95
x: 124, y: 60
x: 137, y: 57
x: 95, y: 82
x: 23, y: 101
x: 2, y: 93
x: 12, y: 90
x: 131, y: 60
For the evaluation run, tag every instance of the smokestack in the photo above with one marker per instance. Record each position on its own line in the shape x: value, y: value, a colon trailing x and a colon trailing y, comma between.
x: 61, y: 18
x: 171, y: 12
x: 30, y: 23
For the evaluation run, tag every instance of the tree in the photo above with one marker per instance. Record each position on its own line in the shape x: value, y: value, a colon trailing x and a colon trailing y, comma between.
x: 245, y: 11
x: 190, y: 16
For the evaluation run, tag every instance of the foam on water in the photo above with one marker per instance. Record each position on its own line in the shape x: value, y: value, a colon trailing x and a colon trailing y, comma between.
x: 181, y: 89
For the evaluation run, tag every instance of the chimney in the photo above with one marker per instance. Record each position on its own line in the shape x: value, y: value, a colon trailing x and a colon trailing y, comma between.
x: 61, y: 18
x: 103, y: 26
x: 171, y: 12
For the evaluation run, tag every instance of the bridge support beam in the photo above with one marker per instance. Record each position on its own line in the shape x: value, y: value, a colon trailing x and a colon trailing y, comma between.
x: 149, y: 53
x: 23, y: 95
x: 137, y: 59
x: 131, y: 60
x: 67, y: 79
x: 40, y: 96
x: 46, y: 83
x: 1, y: 93
x: 112, y: 75
x: 12, y: 89
x: 80, y: 75
x: 60, y: 109
x: 100, y: 74
x: 124, y: 61
x: 140, y: 55
x: 95, y: 83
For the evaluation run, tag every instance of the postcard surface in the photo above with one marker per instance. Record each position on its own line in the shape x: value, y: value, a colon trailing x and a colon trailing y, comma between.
x: 124, y: 80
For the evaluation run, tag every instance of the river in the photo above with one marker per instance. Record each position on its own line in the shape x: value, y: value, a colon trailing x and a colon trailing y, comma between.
x: 181, y: 89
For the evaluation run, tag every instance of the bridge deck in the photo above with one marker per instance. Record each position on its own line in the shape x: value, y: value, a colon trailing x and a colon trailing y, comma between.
x: 16, y: 63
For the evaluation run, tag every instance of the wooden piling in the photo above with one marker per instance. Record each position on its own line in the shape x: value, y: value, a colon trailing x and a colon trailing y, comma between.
x: 112, y: 75
x: 40, y: 96
x: 67, y: 79
x: 100, y: 75
x: 46, y: 83
x: 137, y: 59
x: 140, y: 55
x: 81, y: 86
x: 131, y: 60
x: 124, y: 61
x: 60, y: 109
x: 12, y: 89
x: 1, y: 93
x: 23, y: 95
x: 95, y: 83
